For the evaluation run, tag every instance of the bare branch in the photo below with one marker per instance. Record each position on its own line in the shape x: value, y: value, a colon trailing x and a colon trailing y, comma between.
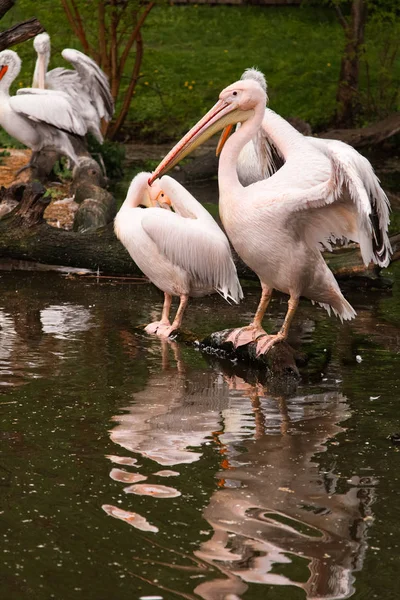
x: 75, y: 21
x: 341, y: 17
x: 20, y: 33
x: 5, y: 6
x: 131, y: 88
x: 134, y: 36
x: 114, y: 52
x: 104, y: 62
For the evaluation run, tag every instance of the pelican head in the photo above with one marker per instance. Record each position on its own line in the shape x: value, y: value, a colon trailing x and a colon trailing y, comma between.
x: 158, y: 195
x: 237, y: 103
x: 256, y: 75
x: 10, y: 66
x: 140, y: 193
x: 41, y: 43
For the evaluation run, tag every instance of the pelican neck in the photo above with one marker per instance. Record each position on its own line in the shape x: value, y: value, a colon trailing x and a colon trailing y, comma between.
x: 227, y: 173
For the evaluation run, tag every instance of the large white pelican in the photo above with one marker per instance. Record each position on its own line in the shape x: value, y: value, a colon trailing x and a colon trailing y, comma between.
x: 37, y: 118
x: 87, y: 85
x: 261, y: 157
x: 184, y: 253
x: 279, y: 225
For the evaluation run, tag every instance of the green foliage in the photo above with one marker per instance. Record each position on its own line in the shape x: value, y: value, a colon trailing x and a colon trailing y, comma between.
x: 192, y: 52
x: 62, y: 170
x: 112, y: 155
x: 3, y: 153
x: 6, y: 141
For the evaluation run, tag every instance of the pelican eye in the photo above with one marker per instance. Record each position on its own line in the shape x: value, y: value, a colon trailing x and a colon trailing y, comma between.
x: 234, y: 93
x: 162, y: 195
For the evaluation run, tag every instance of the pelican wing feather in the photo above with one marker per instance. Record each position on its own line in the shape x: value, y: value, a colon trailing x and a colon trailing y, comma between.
x: 65, y: 80
x: 196, y: 248
x: 48, y: 106
x: 93, y: 80
x: 348, y: 205
x: 354, y: 174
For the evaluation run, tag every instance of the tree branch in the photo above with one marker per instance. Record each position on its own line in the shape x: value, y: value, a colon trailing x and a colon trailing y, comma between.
x: 104, y: 62
x: 134, y: 36
x: 115, y: 80
x: 129, y: 92
x: 20, y: 33
x: 75, y: 21
x: 5, y: 6
x: 341, y: 17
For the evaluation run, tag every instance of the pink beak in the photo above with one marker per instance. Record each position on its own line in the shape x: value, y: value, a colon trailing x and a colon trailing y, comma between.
x: 220, y: 115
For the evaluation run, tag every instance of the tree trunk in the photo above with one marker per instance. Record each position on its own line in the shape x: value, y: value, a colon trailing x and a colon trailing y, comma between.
x: 349, y: 73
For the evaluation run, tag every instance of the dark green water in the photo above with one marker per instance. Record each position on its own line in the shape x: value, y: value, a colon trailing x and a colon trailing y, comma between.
x: 272, y: 495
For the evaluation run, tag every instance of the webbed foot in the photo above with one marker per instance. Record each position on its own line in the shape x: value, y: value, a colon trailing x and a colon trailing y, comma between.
x: 245, y: 335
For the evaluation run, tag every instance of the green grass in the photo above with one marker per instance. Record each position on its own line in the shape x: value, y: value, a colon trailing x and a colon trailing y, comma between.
x: 192, y: 52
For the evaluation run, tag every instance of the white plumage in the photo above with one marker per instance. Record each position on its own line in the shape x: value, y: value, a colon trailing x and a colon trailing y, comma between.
x: 277, y: 225
x: 184, y: 253
x: 37, y: 118
x: 360, y: 207
x: 87, y: 86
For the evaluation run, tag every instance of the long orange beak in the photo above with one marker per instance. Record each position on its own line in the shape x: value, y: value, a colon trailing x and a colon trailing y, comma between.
x: 3, y: 71
x: 220, y: 115
x: 224, y: 136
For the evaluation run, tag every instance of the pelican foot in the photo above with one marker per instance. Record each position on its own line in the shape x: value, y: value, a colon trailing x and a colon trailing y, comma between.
x: 165, y: 331
x: 265, y: 345
x: 153, y: 328
x: 29, y: 165
x: 245, y: 335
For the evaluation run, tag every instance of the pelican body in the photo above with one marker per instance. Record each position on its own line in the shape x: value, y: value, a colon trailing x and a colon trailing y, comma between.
x: 184, y: 253
x: 37, y: 118
x: 279, y: 225
x: 87, y: 86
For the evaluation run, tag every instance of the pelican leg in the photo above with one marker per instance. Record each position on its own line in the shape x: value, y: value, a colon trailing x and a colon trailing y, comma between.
x: 29, y: 165
x: 245, y: 335
x: 263, y: 346
x: 177, y: 322
x: 154, y: 327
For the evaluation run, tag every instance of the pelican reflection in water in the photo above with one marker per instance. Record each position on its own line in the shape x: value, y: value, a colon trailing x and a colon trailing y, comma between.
x: 275, y: 506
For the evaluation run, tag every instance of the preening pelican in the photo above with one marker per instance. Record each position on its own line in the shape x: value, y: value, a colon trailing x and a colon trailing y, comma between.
x: 279, y: 225
x: 87, y: 85
x: 37, y: 118
x: 184, y: 253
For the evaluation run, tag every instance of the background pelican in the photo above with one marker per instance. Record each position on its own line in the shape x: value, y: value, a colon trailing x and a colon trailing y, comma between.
x: 87, y: 85
x: 37, y: 118
x: 184, y: 253
x: 279, y: 225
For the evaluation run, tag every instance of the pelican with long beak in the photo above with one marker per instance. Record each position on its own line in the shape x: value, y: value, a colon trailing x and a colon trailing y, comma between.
x: 279, y: 225
x: 37, y: 118
x: 86, y: 85
x: 183, y: 252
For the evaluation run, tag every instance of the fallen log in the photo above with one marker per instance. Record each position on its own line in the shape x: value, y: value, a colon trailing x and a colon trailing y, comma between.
x: 366, y: 136
x: 25, y: 235
x: 280, y: 360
